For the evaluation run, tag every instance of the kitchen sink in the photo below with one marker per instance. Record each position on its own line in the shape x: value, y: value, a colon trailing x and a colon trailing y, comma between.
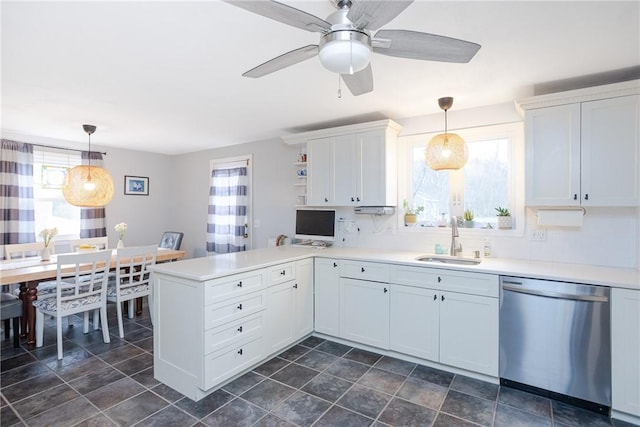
x: 449, y: 260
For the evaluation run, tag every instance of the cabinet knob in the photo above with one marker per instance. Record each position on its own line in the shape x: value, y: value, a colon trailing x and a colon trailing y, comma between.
x: 240, y: 352
x: 575, y: 197
x: 586, y: 196
x: 239, y: 284
x: 295, y: 286
x: 239, y: 307
x: 439, y: 279
x: 283, y: 272
x: 357, y: 199
x: 442, y: 297
x: 435, y: 297
x: 240, y: 329
x: 352, y: 199
x: 335, y: 265
x: 362, y: 269
x: 386, y: 290
x: 326, y: 200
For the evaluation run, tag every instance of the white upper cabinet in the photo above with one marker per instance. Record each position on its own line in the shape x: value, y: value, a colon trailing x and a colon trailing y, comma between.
x: 582, y: 147
x: 352, y: 165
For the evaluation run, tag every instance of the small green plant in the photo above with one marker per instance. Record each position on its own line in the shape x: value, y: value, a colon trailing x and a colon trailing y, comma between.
x: 502, y: 211
x: 409, y: 210
x: 468, y: 215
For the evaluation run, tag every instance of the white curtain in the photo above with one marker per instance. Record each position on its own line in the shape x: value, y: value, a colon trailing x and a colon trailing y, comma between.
x: 227, y: 219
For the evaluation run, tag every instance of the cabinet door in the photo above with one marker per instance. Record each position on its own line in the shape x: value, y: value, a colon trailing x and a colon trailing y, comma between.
x: 372, y: 179
x: 327, y: 296
x: 279, y: 316
x: 304, y: 298
x: 347, y: 170
x: 320, y: 168
x: 552, y: 148
x: 414, y: 321
x: 469, y: 332
x: 364, y: 312
x: 610, y: 152
x: 625, y: 350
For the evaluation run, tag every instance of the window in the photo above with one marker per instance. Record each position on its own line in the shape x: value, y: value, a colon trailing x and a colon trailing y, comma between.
x: 492, y: 177
x: 51, y: 209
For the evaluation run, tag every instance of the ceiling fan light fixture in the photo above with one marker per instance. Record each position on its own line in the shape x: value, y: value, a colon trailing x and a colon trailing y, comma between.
x: 446, y: 151
x: 345, y: 52
x: 86, y: 185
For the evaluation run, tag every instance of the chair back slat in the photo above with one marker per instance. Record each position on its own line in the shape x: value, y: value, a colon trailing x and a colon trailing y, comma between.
x: 132, y: 266
x: 82, y: 275
x: 24, y: 250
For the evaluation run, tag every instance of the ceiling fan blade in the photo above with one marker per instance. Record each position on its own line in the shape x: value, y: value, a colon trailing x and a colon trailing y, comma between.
x: 283, y: 13
x: 360, y: 82
x: 429, y: 47
x: 283, y: 61
x: 373, y: 14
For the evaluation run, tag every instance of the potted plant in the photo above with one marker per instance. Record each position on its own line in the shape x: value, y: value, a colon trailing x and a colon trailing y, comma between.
x: 411, y: 214
x: 468, y: 218
x: 505, y: 221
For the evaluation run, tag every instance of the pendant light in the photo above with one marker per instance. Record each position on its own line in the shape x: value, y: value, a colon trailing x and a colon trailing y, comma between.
x: 86, y: 185
x: 446, y: 151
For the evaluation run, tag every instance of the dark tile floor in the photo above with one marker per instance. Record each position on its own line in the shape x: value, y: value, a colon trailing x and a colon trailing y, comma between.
x: 315, y: 383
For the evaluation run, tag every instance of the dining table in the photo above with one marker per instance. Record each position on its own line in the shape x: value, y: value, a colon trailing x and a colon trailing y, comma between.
x: 28, y: 272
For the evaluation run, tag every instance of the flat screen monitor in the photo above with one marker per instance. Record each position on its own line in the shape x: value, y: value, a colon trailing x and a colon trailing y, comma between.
x: 316, y: 224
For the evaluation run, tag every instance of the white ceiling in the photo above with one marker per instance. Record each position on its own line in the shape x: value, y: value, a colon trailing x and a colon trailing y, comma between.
x: 166, y: 76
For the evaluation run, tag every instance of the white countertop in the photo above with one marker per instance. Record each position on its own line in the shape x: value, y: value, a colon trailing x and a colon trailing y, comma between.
x: 207, y: 268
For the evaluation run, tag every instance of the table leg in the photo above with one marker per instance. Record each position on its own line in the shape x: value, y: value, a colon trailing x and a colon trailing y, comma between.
x: 138, y: 306
x: 32, y: 295
x: 23, y: 320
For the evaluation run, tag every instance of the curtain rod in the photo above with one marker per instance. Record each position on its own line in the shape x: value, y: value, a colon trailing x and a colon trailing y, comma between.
x: 64, y: 148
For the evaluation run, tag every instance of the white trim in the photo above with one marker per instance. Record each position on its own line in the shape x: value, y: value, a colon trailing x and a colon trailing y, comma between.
x: 302, y: 138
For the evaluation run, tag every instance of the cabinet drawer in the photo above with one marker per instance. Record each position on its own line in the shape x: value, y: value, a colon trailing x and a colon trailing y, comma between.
x: 225, y: 363
x: 227, y: 311
x: 447, y: 280
x: 228, y: 287
x: 282, y: 273
x: 232, y: 332
x: 372, y: 271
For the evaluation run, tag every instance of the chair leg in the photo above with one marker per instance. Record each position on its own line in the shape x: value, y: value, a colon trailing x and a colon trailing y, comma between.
x: 59, y: 335
x: 16, y: 332
x: 6, y: 329
x: 86, y: 322
x: 132, y: 308
x: 104, y: 323
x: 120, y: 323
x: 39, y: 328
x: 96, y: 319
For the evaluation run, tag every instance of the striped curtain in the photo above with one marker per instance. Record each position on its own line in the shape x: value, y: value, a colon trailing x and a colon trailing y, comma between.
x: 17, y: 213
x: 227, y: 220
x: 93, y: 221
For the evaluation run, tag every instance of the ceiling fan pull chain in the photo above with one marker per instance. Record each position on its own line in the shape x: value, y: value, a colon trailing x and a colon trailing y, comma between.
x: 339, y: 87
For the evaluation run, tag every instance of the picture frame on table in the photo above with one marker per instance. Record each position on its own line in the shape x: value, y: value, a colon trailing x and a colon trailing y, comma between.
x: 136, y: 185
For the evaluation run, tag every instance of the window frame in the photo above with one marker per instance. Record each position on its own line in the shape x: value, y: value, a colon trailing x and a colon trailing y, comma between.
x: 514, y: 132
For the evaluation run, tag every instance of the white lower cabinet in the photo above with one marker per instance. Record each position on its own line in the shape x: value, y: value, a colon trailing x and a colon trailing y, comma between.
x: 327, y: 296
x: 364, y: 312
x: 625, y: 351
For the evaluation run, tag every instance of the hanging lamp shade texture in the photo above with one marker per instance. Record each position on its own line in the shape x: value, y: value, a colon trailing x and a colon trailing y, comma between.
x: 447, y: 151
x: 76, y: 192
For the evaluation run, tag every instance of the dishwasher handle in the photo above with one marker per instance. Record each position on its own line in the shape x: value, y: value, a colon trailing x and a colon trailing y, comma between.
x: 558, y: 295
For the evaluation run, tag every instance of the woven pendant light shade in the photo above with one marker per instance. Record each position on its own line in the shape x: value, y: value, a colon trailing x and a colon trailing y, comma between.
x: 446, y: 151
x: 80, y: 190
x: 85, y: 185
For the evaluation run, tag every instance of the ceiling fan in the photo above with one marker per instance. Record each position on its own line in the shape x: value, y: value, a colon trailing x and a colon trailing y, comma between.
x: 346, y: 42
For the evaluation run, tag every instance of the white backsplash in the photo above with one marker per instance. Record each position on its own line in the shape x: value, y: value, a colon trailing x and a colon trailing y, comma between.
x: 608, y: 237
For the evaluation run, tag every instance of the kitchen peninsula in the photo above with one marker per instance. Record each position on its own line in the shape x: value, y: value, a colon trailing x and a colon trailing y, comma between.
x: 217, y: 317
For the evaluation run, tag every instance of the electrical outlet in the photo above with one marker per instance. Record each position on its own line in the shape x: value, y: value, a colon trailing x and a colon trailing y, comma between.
x: 538, y: 234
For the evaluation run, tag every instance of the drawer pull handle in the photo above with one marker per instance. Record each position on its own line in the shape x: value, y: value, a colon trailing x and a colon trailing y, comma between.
x: 386, y: 290
x: 442, y: 297
x: 240, y: 329
x: 239, y: 284
x: 283, y: 272
x: 295, y: 286
x: 239, y: 307
x: 435, y: 297
x: 335, y: 265
x: 439, y: 279
x: 240, y: 352
x: 362, y: 269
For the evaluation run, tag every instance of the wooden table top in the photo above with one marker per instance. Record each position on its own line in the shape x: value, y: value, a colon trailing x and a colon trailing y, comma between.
x: 34, y: 269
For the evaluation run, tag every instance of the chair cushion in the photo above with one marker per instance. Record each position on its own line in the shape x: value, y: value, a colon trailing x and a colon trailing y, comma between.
x: 51, y: 304
x: 112, y: 292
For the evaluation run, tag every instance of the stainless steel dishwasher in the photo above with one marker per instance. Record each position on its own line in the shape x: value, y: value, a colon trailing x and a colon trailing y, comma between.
x: 555, y: 340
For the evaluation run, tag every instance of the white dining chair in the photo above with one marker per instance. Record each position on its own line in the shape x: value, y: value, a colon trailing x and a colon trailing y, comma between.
x: 24, y: 250
x: 132, y: 279
x: 99, y: 242
x: 81, y: 287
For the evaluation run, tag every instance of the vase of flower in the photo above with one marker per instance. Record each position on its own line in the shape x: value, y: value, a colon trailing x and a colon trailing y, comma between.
x: 121, y: 229
x: 120, y: 244
x: 47, y: 236
x: 45, y: 255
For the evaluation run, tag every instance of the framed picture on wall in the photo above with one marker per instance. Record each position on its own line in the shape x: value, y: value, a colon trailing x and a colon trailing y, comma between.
x: 136, y: 185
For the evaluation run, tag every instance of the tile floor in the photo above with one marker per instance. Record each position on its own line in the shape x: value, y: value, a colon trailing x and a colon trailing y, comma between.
x: 315, y: 383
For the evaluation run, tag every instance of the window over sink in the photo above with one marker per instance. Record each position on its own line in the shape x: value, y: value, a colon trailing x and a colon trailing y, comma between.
x: 492, y: 177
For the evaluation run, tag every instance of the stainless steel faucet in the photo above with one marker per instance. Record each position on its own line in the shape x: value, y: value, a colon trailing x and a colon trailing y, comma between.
x: 456, y: 247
